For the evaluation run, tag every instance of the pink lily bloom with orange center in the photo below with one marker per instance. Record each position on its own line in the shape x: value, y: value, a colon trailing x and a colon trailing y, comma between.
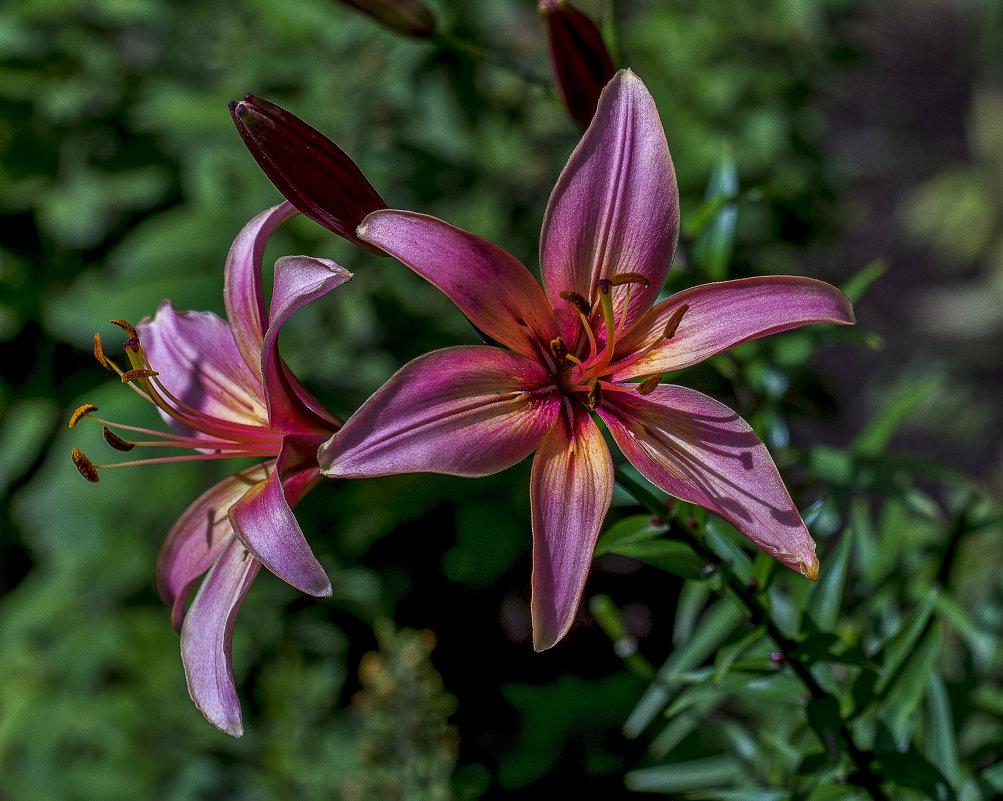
x: 591, y: 341
x: 225, y: 392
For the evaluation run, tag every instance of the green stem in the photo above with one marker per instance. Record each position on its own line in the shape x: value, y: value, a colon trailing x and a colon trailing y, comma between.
x: 476, y: 52
x: 760, y: 615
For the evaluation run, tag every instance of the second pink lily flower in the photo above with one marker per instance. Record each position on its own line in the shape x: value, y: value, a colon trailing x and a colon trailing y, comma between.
x: 591, y: 341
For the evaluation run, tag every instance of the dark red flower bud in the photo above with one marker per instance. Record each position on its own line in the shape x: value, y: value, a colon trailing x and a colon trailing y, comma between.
x: 409, y: 17
x: 310, y: 171
x: 581, y: 61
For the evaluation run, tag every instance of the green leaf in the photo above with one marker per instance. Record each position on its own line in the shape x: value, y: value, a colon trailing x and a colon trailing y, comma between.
x: 824, y: 718
x: 727, y: 654
x: 632, y: 530
x: 877, y: 433
x: 712, y: 629
x: 713, y: 248
x: 941, y: 737
x: 899, y: 707
x: 641, y: 537
x: 825, y: 596
x: 896, y: 648
x: 855, y: 287
x: 911, y: 769
x: 682, y: 725
x: 682, y: 776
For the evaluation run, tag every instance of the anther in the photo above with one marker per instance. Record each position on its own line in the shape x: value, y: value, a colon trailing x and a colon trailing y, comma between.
x: 99, y: 353
x: 594, y: 397
x: 628, y: 278
x: 132, y: 375
x: 116, y: 441
x: 647, y: 386
x: 576, y: 300
x: 80, y: 413
x: 674, y: 321
x: 85, y: 466
x: 128, y: 327
x: 558, y: 349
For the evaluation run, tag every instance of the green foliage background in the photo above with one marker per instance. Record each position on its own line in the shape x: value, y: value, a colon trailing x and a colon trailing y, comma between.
x: 856, y: 142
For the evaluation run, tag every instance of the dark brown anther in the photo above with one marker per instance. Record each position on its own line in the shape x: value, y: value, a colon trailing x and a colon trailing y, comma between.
x: 673, y: 324
x: 647, y: 386
x: 128, y: 327
x: 132, y: 375
x: 85, y: 466
x: 576, y: 300
x: 628, y: 278
x: 116, y: 441
x: 594, y: 397
x: 99, y: 353
x: 80, y: 413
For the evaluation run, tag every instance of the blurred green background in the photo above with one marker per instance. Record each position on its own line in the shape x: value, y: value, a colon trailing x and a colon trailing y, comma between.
x: 863, y: 133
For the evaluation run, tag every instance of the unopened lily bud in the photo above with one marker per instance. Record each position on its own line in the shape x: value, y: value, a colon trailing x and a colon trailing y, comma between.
x: 581, y: 61
x: 409, y: 17
x: 310, y: 171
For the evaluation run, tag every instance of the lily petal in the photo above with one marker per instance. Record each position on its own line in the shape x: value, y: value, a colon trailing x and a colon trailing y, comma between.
x: 198, y: 362
x: 199, y: 537
x: 243, y: 297
x: 571, y: 487
x: 207, y: 635
x: 264, y: 523
x: 463, y: 411
x: 615, y: 208
x: 723, y: 314
x: 298, y: 280
x: 490, y: 286
x: 701, y: 451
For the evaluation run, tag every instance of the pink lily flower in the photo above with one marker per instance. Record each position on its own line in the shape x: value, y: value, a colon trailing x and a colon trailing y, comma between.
x: 225, y: 392
x: 589, y: 342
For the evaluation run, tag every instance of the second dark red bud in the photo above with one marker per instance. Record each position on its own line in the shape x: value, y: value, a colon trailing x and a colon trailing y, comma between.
x: 581, y: 61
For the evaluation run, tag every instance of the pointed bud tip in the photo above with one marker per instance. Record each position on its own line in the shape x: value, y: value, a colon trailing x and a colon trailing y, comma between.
x: 810, y: 571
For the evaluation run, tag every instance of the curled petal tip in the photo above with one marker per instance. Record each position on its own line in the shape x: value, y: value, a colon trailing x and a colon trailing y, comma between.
x: 809, y: 570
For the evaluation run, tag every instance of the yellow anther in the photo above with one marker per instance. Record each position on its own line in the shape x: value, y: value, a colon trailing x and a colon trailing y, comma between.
x: 576, y: 300
x: 85, y: 466
x: 594, y: 397
x: 558, y: 349
x: 99, y: 353
x: 128, y: 327
x: 140, y: 373
x: 674, y: 321
x: 628, y: 278
x: 116, y: 441
x: 647, y: 386
x: 81, y: 412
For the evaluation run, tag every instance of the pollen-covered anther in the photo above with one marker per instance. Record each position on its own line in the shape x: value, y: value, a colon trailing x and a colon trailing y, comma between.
x: 558, y: 349
x: 673, y: 324
x: 116, y: 441
x: 132, y: 375
x: 80, y: 413
x: 647, y: 386
x: 576, y: 300
x: 85, y: 466
x: 128, y: 327
x: 628, y: 278
x: 594, y: 397
x: 99, y: 353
